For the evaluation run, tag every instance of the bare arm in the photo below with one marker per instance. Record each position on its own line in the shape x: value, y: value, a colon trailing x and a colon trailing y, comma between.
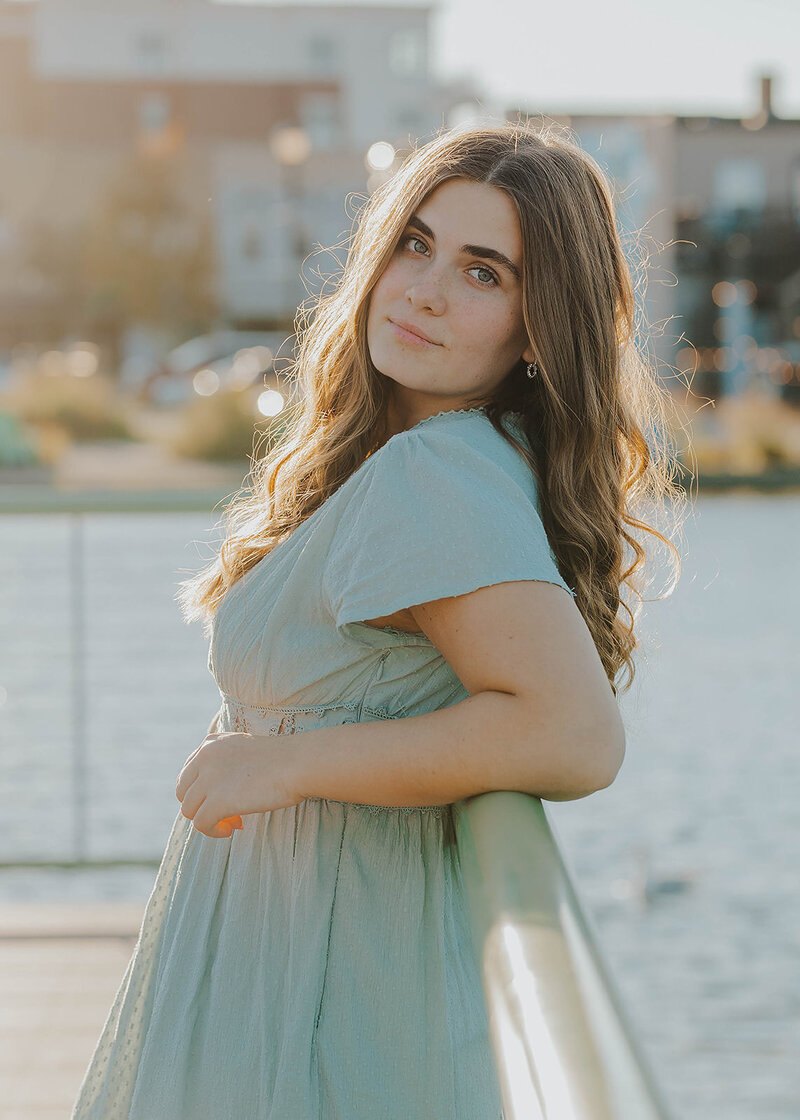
x: 541, y: 717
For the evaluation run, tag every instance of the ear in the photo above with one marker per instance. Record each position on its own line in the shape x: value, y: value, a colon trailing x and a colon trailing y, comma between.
x: 528, y: 355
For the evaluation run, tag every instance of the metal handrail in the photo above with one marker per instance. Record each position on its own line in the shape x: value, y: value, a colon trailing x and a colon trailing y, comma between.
x: 563, y: 1045
x: 35, y: 499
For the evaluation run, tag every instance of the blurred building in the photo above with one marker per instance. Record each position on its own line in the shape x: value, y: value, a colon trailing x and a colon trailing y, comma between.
x: 262, y: 118
x: 722, y: 196
x: 171, y: 166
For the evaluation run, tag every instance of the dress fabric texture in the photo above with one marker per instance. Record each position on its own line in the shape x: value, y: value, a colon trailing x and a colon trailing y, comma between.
x: 319, y: 963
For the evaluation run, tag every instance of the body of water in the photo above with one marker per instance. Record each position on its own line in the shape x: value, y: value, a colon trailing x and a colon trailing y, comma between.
x: 688, y: 865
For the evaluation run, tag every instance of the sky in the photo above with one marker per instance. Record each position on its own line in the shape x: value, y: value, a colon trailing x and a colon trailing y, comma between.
x: 685, y: 56
x: 675, y: 56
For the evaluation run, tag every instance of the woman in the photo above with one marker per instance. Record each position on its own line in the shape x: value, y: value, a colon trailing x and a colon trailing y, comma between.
x: 423, y: 590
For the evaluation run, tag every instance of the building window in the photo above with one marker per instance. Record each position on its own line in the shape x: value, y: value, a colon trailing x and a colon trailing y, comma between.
x: 320, y: 118
x: 321, y: 53
x: 151, y: 51
x: 407, y: 53
x: 154, y: 113
x: 739, y: 184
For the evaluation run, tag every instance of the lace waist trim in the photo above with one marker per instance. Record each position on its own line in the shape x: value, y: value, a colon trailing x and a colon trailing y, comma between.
x: 267, y: 720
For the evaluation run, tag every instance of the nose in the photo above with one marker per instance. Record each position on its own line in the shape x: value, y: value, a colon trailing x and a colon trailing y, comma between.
x: 426, y: 294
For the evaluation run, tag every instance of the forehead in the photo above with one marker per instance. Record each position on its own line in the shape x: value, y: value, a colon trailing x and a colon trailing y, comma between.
x: 475, y: 212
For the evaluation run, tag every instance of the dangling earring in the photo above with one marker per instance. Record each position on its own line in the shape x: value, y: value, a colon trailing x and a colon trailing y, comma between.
x: 535, y: 367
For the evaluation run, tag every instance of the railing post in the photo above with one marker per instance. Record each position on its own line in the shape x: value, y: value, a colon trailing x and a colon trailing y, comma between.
x: 77, y: 598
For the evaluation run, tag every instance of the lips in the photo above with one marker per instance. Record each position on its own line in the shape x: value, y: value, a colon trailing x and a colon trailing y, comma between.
x: 414, y: 330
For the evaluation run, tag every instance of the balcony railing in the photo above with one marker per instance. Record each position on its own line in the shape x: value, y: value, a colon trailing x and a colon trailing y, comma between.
x: 563, y: 1046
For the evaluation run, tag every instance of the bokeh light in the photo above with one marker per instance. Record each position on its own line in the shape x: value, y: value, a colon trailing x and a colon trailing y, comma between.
x: 83, y: 360
x: 290, y: 145
x: 246, y: 368
x: 380, y: 156
x: 724, y: 294
x: 52, y: 364
x: 205, y: 382
x: 724, y: 358
x: 270, y: 402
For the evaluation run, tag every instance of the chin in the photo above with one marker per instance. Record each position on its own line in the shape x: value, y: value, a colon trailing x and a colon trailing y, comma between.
x: 387, y: 361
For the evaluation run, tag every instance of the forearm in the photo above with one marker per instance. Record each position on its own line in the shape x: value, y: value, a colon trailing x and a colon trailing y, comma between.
x: 486, y: 742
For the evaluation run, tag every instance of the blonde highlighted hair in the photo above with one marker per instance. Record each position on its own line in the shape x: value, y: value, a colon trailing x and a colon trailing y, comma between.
x: 595, y: 415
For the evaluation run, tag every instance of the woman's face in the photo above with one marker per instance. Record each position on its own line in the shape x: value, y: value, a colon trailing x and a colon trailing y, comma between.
x: 446, y: 279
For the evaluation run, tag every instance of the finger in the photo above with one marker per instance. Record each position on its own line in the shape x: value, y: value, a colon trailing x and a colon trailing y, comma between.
x: 211, y: 825
x: 192, y: 801
x: 185, y: 779
x: 189, y: 772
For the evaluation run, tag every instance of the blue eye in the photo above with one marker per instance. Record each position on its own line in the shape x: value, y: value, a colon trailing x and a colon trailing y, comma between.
x: 482, y: 268
x: 413, y: 238
x: 476, y: 268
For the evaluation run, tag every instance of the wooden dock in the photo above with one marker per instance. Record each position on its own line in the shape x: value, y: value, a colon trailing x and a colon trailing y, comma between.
x: 60, y: 966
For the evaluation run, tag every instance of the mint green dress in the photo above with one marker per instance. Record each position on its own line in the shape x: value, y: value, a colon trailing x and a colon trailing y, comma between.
x: 319, y: 964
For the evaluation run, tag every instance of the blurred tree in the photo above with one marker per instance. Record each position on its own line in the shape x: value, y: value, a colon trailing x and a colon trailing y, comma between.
x: 147, y: 258
x: 52, y: 267
x: 224, y: 427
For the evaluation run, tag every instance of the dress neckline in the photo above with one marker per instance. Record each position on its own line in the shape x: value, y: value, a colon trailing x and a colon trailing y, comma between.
x: 443, y: 412
x: 514, y: 418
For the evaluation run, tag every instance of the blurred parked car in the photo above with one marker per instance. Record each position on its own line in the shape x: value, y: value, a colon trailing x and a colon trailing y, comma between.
x: 226, y: 359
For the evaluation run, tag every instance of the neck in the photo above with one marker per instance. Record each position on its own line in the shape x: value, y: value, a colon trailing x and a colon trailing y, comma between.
x: 400, y: 416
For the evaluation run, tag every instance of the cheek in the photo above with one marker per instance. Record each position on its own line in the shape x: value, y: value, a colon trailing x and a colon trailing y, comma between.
x: 389, y: 282
x: 487, y: 325
x: 382, y: 298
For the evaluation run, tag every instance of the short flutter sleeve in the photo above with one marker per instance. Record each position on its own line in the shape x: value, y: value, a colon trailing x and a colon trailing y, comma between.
x: 442, y: 510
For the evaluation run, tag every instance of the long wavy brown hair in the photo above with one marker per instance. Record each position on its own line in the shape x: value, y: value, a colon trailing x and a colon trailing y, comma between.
x: 599, y: 447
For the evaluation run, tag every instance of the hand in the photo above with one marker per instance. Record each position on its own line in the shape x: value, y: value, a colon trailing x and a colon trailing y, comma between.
x: 233, y: 773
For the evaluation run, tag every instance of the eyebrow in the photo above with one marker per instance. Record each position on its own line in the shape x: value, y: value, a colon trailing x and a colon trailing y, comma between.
x: 470, y: 250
